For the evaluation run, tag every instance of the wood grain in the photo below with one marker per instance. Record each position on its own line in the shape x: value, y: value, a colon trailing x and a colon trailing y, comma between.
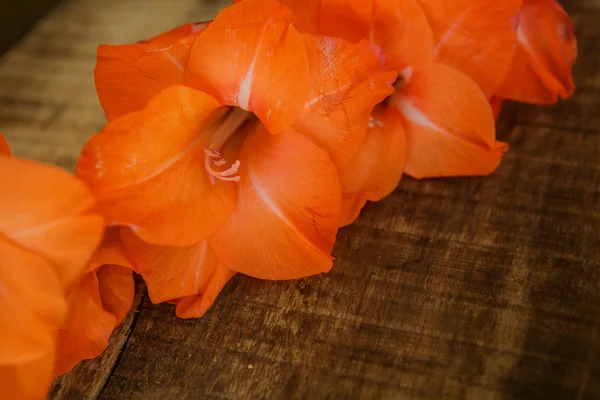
x: 472, y: 288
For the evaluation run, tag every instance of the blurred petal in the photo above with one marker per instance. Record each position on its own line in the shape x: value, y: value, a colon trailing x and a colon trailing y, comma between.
x: 128, y: 76
x: 85, y: 332
x: 477, y: 37
x: 147, y: 170
x: 29, y: 380
x: 449, y: 124
x: 287, y: 213
x: 251, y: 57
x: 347, y: 81
x: 546, y: 53
x: 376, y: 169
x: 403, y: 32
x: 32, y: 304
x: 97, y: 304
x: 48, y: 211
x: 4, y: 149
x: 192, y: 273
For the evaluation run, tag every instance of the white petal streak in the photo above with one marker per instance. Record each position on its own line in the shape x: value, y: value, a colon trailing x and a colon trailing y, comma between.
x: 243, y: 97
x: 413, y: 114
x: 264, y: 196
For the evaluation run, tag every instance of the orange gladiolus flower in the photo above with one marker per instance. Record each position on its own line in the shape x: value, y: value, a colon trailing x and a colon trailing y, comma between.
x: 47, y: 234
x: 546, y: 52
x: 438, y: 123
x: 229, y: 158
x: 97, y: 303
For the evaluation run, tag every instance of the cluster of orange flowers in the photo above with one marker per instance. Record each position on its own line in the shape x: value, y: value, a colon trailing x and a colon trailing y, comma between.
x: 242, y: 144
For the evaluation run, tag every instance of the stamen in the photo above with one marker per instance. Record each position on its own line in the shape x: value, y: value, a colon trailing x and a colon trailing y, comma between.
x: 214, y: 159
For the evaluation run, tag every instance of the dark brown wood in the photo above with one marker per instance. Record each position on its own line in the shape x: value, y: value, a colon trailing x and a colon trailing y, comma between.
x: 472, y: 288
x: 18, y: 16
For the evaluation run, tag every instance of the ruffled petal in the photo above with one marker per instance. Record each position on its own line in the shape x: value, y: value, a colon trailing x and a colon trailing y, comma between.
x: 251, y: 57
x: 347, y: 81
x: 376, y: 169
x: 117, y: 290
x: 147, y: 170
x: 128, y: 76
x: 97, y: 304
x: 85, y: 332
x: 403, y: 32
x: 477, y: 37
x: 110, y: 252
x: 48, y: 211
x: 32, y: 304
x: 546, y: 53
x: 449, y: 124
x: 196, y: 306
x: 4, y: 149
x: 286, y: 218
x: 192, y: 274
x: 29, y: 380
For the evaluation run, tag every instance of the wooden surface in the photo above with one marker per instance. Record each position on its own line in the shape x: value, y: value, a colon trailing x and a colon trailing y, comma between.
x: 482, y: 288
x: 17, y: 18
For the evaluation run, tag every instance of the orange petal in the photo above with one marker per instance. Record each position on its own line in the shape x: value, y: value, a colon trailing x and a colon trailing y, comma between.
x: 496, y: 103
x: 286, y: 217
x: 377, y: 168
x: 32, y: 304
x: 196, y: 306
x: 115, y: 276
x: 29, y: 380
x: 117, y: 290
x: 171, y: 273
x: 347, y: 81
x: 147, y: 170
x: 477, y: 37
x: 449, y: 124
x: 546, y: 53
x: 307, y: 14
x: 85, y: 332
x: 46, y: 210
x: 110, y: 252
x: 403, y: 32
x: 128, y: 76
x: 352, y: 204
x: 347, y: 19
x: 97, y: 304
x: 251, y: 57
x: 4, y: 149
